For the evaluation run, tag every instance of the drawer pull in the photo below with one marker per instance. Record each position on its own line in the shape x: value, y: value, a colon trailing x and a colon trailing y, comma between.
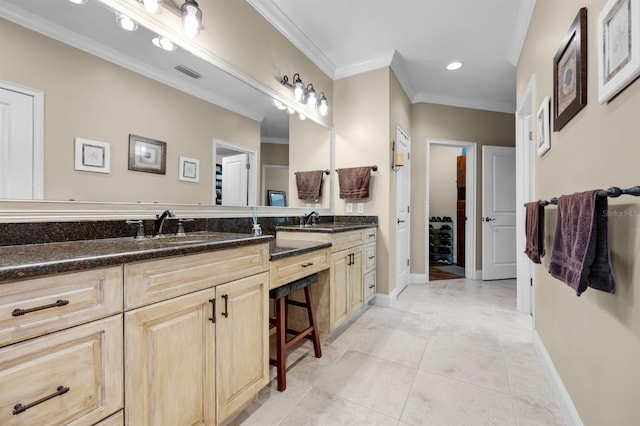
x: 371, y: 235
x: 19, y: 408
x: 371, y: 257
x: 306, y: 265
x: 213, y: 311
x: 226, y: 305
x: 59, y: 302
x: 372, y: 286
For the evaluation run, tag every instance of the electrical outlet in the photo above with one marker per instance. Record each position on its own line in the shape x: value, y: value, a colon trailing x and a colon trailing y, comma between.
x: 349, y: 208
x: 360, y: 208
x: 318, y: 206
x: 309, y: 205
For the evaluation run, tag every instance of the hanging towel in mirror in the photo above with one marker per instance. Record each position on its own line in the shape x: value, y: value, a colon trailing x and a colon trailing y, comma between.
x: 580, y: 252
x: 309, y: 184
x: 534, y: 230
x: 354, y: 182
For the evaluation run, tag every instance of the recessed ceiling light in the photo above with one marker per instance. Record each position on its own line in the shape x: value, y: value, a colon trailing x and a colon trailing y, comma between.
x: 126, y: 23
x: 164, y: 43
x: 456, y: 65
x: 78, y: 1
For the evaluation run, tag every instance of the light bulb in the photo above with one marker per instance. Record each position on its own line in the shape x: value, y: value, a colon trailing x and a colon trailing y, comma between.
x: 312, y: 100
x: 191, y: 18
x: 323, y: 109
x: 153, y: 6
x: 164, y: 43
x: 126, y: 23
x: 298, y: 91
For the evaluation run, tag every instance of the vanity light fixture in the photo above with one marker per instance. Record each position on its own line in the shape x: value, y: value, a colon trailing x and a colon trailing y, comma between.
x: 323, y: 105
x: 312, y: 99
x: 455, y: 65
x: 307, y: 94
x: 126, y: 23
x: 164, y: 43
x: 191, y: 18
x: 78, y: 1
x: 153, y: 6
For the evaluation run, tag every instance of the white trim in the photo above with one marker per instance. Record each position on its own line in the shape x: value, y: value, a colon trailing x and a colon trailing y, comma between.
x: 263, y: 176
x: 478, y: 274
x: 470, y: 205
x: 374, y: 63
x: 274, y: 140
x: 565, y: 403
x: 253, y: 166
x: 524, y: 192
x: 38, y: 134
x: 431, y: 98
x: 399, y: 68
x: 419, y: 278
x: 521, y: 28
x: 385, y: 300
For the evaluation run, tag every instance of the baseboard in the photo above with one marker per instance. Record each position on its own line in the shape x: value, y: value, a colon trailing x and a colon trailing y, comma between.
x: 385, y: 300
x: 478, y: 275
x: 418, y: 279
x: 557, y: 387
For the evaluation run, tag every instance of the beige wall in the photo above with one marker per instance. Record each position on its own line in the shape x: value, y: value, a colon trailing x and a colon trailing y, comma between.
x: 594, y: 339
x: 275, y: 154
x: 429, y: 121
x: 90, y: 98
x: 443, y: 188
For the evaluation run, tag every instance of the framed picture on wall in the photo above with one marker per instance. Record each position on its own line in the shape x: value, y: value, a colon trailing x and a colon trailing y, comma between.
x: 618, y: 47
x: 92, y: 156
x: 189, y: 169
x: 570, y: 73
x: 542, y: 124
x: 147, y: 155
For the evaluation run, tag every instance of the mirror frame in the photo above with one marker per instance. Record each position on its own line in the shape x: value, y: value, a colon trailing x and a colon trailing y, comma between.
x: 166, y: 24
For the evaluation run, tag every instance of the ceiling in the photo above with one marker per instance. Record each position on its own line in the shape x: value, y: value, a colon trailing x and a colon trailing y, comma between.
x: 417, y: 38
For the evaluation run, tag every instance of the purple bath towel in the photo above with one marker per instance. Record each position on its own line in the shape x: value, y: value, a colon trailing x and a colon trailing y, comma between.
x: 534, y: 231
x: 354, y: 182
x: 580, y: 252
x: 309, y: 184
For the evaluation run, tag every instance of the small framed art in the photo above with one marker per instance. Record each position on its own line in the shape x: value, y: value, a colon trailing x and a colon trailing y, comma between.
x: 92, y: 156
x: 147, y: 155
x: 189, y: 170
x: 618, y: 47
x: 542, y: 124
x: 570, y: 73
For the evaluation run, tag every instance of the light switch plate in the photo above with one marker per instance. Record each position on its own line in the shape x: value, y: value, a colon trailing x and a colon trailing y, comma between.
x: 349, y: 208
x: 360, y: 207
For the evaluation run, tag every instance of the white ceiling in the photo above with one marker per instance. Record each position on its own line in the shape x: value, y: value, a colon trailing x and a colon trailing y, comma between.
x: 417, y: 38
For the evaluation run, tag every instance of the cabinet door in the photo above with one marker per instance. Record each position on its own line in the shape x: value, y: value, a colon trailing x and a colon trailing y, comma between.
x: 356, y: 287
x: 170, y: 362
x: 339, y: 290
x: 242, y: 361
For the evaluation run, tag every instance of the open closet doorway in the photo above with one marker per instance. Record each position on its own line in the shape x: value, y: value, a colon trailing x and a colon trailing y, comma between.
x: 451, y: 188
x: 235, y: 178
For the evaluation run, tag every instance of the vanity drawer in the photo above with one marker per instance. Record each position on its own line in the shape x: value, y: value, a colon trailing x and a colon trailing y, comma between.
x: 30, y: 308
x: 346, y: 240
x: 369, y: 285
x: 369, y: 257
x: 370, y: 235
x: 289, y: 269
x: 156, y: 280
x: 86, y: 359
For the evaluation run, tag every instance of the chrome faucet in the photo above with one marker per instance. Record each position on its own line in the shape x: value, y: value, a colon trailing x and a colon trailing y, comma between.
x: 311, y: 217
x: 160, y: 218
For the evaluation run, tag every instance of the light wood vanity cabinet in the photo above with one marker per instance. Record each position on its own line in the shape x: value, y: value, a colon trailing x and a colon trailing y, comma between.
x: 346, y: 285
x: 198, y: 357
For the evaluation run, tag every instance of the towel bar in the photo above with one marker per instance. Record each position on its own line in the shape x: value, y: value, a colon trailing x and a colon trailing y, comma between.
x: 373, y: 168
x: 612, y: 192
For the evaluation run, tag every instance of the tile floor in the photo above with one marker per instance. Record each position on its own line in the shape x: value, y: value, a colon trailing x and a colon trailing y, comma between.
x: 452, y: 352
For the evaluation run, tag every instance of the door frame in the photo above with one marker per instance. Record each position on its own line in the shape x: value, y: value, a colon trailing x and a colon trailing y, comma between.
x: 470, y: 271
x: 38, y: 134
x: 405, y: 169
x: 525, y: 191
x: 252, y: 185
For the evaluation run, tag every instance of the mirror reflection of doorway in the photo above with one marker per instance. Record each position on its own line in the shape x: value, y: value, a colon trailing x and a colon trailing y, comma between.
x: 236, y: 183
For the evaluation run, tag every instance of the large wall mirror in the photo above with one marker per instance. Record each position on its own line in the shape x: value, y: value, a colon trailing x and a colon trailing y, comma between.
x: 100, y: 85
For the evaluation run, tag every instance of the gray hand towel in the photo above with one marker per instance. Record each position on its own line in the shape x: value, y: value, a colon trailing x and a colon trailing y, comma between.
x: 309, y: 184
x: 354, y: 182
x: 580, y: 252
x: 534, y: 231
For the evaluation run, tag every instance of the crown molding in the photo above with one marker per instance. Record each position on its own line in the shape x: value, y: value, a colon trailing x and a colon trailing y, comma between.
x: 464, y: 103
x: 400, y: 70
x: 282, y: 23
x: 374, y: 63
x: 521, y: 28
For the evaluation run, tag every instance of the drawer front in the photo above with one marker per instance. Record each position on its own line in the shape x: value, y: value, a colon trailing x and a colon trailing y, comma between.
x: 369, y: 286
x: 370, y: 235
x: 156, y: 280
x: 369, y: 257
x: 86, y: 359
x: 115, y: 420
x: 30, y: 308
x: 345, y: 240
x: 289, y: 269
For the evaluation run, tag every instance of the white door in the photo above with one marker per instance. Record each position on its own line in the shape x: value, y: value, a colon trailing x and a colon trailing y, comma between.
x: 498, y: 213
x: 403, y: 144
x: 235, y: 176
x: 16, y: 145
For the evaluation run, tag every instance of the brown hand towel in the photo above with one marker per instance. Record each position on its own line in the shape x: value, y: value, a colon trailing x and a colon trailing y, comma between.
x: 534, y: 230
x: 309, y: 184
x: 354, y: 182
x: 580, y: 252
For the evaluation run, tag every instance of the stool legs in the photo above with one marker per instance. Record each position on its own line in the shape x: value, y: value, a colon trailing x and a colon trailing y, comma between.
x: 312, y: 322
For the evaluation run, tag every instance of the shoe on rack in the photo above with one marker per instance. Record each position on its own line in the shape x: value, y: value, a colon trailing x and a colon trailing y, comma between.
x: 446, y: 261
x: 444, y: 250
x: 446, y: 227
x: 445, y: 234
x: 445, y: 243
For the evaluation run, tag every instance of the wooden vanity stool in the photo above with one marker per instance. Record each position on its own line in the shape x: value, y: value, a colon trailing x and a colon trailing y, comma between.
x: 282, y: 302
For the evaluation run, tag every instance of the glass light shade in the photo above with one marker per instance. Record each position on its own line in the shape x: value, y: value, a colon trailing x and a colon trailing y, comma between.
x: 126, y: 23
x: 298, y: 91
x: 164, y: 43
x: 323, y: 108
x: 191, y: 18
x: 312, y: 98
x: 302, y: 116
x: 153, y: 6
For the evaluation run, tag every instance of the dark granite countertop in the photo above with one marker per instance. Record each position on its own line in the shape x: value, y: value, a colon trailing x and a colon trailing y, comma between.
x: 279, y: 249
x: 327, y: 227
x: 33, y: 260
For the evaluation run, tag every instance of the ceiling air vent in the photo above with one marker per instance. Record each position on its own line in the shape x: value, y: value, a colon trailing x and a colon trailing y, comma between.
x: 188, y: 71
